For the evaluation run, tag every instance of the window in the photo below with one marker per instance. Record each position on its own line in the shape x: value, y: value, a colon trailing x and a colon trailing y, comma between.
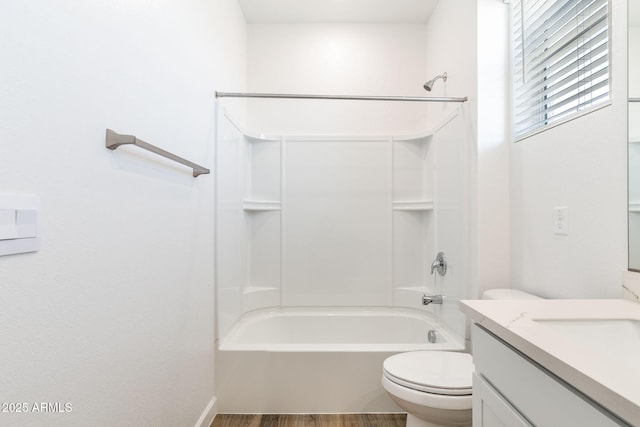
x: 560, y: 61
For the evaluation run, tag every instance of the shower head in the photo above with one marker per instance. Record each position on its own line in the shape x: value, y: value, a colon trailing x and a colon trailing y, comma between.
x: 429, y: 85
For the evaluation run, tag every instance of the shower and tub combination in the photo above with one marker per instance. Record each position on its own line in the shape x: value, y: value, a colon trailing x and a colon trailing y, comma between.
x: 326, y: 256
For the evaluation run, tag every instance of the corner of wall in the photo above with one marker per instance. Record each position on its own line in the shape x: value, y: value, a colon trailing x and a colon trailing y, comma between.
x: 208, y: 414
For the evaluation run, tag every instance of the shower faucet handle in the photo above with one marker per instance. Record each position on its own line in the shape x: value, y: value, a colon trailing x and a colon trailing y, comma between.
x: 440, y: 264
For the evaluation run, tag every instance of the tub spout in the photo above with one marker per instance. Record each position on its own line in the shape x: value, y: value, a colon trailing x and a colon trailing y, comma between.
x: 431, y: 299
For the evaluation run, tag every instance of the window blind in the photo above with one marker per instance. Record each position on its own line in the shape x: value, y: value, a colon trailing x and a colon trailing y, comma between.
x: 560, y: 60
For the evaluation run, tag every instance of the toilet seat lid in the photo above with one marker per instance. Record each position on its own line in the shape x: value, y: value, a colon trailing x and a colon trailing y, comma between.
x: 439, y: 372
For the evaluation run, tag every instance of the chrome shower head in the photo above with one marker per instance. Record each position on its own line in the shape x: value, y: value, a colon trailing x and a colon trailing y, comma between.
x: 429, y: 85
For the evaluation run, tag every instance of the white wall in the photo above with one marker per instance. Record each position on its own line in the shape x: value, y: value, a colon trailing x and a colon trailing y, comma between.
x: 580, y: 165
x: 115, y: 313
x: 454, y: 39
x: 467, y: 39
x: 352, y: 59
x: 634, y: 144
x: 493, y: 250
x: 450, y: 46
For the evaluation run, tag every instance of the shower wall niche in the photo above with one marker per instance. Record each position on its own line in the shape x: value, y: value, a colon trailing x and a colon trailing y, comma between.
x: 308, y: 221
x: 262, y: 220
x: 412, y: 217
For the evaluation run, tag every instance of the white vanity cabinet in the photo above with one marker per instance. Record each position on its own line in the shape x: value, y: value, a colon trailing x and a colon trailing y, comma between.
x: 511, y: 390
x: 490, y: 409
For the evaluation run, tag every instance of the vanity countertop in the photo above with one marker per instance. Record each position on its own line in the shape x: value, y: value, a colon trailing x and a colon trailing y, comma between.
x: 610, y: 377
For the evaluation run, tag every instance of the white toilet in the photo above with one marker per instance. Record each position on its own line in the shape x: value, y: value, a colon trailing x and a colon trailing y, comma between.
x: 434, y: 387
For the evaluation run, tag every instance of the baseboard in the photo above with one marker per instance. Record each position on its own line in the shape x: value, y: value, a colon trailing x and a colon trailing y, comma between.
x: 209, y: 414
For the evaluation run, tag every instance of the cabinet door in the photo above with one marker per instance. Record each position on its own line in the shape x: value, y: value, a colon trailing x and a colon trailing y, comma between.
x: 490, y: 409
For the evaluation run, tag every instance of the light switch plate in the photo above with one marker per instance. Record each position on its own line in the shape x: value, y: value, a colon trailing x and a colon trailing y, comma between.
x: 19, y: 231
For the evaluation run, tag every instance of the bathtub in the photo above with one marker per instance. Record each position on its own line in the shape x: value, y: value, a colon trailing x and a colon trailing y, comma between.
x: 338, y: 329
x: 318, y: 360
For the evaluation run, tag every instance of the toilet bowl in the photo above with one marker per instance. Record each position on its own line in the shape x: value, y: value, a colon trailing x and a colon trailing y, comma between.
x: 434, y: 387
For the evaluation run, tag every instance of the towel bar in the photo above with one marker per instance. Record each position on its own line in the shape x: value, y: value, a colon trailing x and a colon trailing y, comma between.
x: 114, y: 140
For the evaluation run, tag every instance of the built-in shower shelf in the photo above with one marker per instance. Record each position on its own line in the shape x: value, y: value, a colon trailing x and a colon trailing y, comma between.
x: 413, y: 205
x: 262, y: 205
x: 418, y: 137
x: 410, y: 287
x: 634, y: 207
x: 254, y: 297
x: 634, y: 140
x: 256, y: 289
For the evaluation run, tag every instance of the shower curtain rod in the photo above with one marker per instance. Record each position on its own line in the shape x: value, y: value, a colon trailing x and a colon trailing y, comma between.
x: 338, y: 97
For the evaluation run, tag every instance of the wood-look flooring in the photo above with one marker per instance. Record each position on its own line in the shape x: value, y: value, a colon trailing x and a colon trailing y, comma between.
x: 310, y: 420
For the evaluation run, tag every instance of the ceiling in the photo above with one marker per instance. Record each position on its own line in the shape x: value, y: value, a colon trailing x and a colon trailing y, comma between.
x: 329, y: 11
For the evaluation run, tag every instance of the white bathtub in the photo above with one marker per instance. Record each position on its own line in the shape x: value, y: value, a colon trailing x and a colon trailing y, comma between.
x: 309, y: 360
x: 337, y: 329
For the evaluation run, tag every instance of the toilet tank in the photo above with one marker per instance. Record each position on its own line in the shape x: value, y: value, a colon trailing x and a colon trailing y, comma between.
x: 507, y: 294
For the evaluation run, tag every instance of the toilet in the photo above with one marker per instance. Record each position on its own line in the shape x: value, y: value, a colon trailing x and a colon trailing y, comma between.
x: 434, y: 387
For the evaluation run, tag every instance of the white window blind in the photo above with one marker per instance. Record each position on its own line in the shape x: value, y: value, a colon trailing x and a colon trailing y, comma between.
x: 561, y: 60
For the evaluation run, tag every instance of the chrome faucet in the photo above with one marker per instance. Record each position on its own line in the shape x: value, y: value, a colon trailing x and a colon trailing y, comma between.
x: 440, y: 264
x: 431, y: 299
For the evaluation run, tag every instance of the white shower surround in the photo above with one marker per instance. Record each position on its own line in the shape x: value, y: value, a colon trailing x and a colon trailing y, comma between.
x: 330, y: 221
x: 326, y: 224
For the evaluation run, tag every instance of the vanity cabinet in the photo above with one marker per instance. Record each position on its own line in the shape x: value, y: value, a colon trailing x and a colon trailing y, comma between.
x: 511, y: 390
x: 490, y: 409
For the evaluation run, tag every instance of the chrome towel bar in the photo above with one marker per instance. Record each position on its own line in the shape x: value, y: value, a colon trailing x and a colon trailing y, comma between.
x: 114, y: 140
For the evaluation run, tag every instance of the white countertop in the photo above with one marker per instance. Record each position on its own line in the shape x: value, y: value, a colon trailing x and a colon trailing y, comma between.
x: 613, y: 380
